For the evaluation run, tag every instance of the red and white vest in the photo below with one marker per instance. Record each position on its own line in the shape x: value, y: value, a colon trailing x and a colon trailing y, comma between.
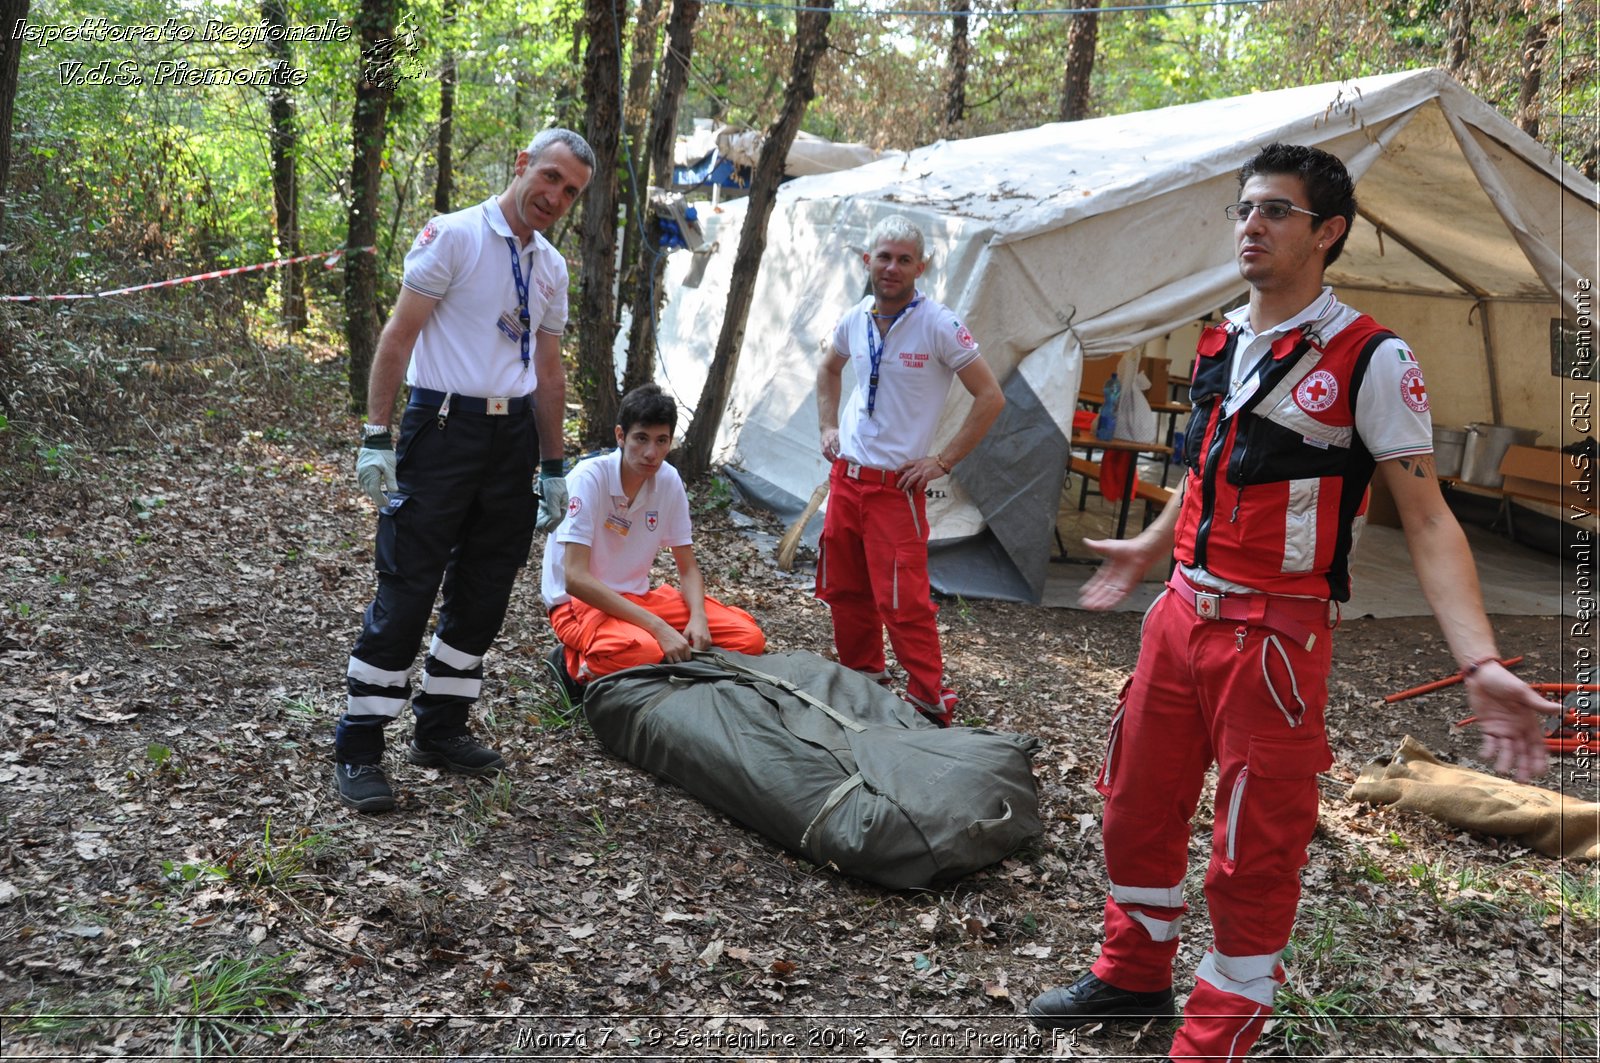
x: 1273, y: 490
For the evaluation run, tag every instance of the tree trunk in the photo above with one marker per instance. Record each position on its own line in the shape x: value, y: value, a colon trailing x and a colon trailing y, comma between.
x: 284, y: 147
x: 647, y: 294
x: 1458, y: 38
x: 1533, y: 46
x: 596, y: 377
x: 1080, y: 62
x: 444, y: 178
x: 11, y: 12
x: 374, y: 88
x: 636, y: 113
x: 811, y: 40
x: 955, y: 93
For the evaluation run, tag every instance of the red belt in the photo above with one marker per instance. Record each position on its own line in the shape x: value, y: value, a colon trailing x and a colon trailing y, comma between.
x: 1296, y: 617
x: 866, y: 474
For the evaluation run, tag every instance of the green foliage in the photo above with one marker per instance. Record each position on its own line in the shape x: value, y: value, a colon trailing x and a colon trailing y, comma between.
x: 220, y: 1005
x: 1333, y: 987
x: 546, y: 703
x: 55, y: 1022
x: 283, y: 865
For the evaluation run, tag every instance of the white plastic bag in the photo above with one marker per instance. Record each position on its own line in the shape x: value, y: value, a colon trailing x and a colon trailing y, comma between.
x: 1136, y: 421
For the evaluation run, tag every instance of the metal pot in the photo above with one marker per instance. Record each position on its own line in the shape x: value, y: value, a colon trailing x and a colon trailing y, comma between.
x: 1486, y: 446
x: 1448, y: 446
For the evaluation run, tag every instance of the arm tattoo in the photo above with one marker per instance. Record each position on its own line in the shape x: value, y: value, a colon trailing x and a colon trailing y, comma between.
x: 1421, y: 467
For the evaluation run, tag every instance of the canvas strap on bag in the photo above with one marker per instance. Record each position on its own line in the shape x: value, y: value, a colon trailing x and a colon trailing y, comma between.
x: 835, y: 796
x: 786, y: 686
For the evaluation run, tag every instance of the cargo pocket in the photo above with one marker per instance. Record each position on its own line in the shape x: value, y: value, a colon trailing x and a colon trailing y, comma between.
x: 1277, y: 676
x: 908, y: 583
x: 1272, y: 807
x: 1103, y: 781
x: 386, y: 547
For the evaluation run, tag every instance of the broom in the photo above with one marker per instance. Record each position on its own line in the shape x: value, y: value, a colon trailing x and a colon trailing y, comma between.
x: 791, y: 538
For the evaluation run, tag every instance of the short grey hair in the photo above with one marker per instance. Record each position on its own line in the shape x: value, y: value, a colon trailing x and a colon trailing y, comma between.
x: 574, y: 143
x: 899, y: 228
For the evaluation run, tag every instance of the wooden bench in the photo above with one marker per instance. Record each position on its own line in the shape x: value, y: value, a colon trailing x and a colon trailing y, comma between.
x: 1151, y: 494
x: 1572, y: 505
x: 1147, y: 492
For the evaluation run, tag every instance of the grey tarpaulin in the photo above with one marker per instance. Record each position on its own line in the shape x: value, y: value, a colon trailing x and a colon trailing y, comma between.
x: 824, y: 762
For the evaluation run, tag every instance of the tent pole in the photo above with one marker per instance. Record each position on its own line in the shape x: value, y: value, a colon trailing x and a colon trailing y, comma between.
x: 1480, y: 294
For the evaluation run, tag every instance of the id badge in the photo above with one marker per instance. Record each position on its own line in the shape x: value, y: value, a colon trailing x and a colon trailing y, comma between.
x: 510, y: 326
x: 1242, y: 396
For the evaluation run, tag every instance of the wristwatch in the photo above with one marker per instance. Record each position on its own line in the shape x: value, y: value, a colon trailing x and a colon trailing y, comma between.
x: 370, y: 430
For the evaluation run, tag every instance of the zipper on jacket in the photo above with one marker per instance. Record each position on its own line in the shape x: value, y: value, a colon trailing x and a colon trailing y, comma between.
x: 1220, y: 435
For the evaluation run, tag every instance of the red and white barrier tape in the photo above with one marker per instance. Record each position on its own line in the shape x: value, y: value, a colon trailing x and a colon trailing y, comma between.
x: 332, y: 257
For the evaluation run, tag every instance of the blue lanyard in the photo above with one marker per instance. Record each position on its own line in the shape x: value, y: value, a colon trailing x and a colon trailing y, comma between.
x: 522, y: 299
x: 875, y: 349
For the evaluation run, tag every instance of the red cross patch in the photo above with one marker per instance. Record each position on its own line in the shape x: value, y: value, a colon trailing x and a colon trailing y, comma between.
x: 574, y: 505
x: 1413, y: 390
x: 1318, y: 391
x: 428, y: 234
x: 964, y: 338
x: 651, y: 519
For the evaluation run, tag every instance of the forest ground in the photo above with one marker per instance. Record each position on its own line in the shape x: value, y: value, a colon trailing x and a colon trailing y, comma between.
x: 178, y: 878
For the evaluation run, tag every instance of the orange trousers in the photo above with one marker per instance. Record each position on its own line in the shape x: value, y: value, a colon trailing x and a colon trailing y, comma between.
x: 598, y: 643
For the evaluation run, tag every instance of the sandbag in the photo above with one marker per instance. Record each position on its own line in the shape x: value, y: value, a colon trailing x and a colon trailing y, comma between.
x: 825, y: 762
x: 1551, y: 823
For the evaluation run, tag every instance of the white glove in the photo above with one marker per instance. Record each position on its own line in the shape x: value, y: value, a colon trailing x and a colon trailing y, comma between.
x: 375, y: 472
x: 552, y: 502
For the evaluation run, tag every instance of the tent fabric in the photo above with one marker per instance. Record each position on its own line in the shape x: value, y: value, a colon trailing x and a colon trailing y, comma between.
x: 1085, y: 239
x: 726, y: 156
x: 825, y: 762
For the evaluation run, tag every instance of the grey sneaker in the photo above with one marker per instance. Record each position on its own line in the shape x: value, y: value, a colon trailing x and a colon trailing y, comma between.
x: 363, y: 787
x: 458, y: 753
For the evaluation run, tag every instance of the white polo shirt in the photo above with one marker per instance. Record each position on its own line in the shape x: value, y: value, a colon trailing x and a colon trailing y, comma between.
x: 462, y: 260
x: 922, y: 353
x: 623, y: 540
x: 1392, y: 414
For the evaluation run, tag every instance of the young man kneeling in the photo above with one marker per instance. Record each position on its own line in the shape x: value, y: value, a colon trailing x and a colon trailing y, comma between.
x: 623, y: 507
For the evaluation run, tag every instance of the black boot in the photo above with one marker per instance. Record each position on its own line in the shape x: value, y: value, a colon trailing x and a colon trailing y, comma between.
x: 1089, y: 1000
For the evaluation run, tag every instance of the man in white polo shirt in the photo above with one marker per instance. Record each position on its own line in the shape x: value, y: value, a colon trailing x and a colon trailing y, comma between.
x: 476, y: 333
x: 624, y: 508
x: 873, y: 568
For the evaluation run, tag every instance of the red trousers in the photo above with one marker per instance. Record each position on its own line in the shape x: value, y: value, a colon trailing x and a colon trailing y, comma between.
x: 598, y: 643
x: 872, y: 570
x: 1250, y: 699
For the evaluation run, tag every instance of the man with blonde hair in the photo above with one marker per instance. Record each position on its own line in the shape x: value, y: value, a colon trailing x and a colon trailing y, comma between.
x: 873, y: 564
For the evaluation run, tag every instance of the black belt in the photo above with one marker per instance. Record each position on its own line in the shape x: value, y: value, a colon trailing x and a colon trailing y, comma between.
x: 493, y: 406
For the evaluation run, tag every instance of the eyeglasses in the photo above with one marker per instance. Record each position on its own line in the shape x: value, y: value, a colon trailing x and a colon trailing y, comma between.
x: 1272, y: 210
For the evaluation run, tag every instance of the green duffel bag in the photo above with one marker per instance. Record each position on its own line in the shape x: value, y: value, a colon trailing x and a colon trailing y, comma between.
x: 825, y: 762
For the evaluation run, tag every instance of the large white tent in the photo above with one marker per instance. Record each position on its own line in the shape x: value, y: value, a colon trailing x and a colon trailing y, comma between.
x: 1086, y: 239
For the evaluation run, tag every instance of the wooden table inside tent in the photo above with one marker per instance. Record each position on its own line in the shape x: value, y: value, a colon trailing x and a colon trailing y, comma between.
x: 1089, y: 469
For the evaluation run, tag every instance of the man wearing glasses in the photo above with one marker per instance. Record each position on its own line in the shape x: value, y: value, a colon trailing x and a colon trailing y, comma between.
x: 1298, y: 401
